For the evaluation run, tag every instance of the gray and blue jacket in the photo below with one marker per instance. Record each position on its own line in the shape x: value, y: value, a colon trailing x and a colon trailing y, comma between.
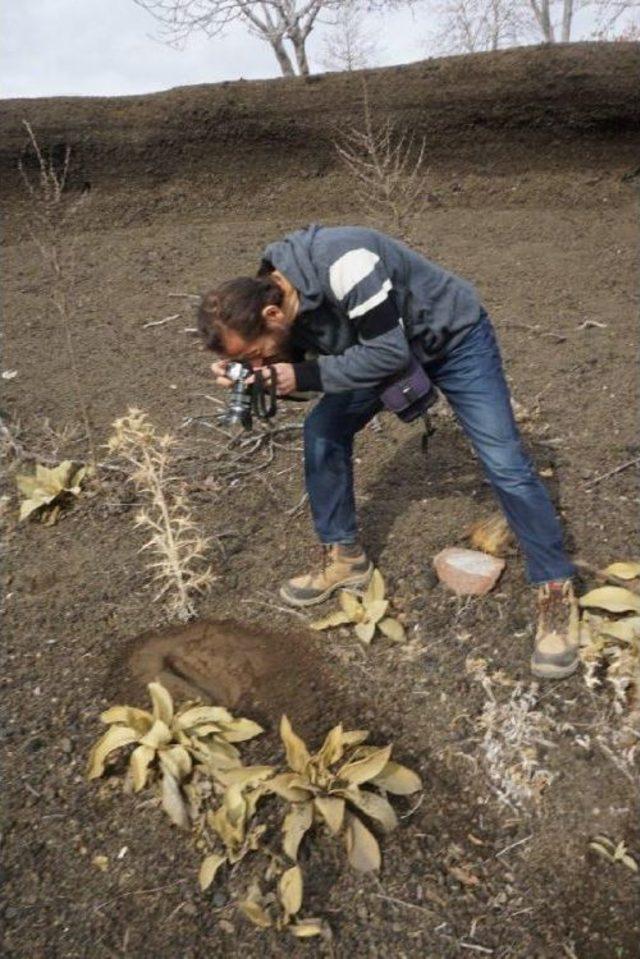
x: 363, y: 297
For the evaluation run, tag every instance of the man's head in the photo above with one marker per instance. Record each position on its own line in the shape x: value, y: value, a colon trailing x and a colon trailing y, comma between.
x: 249, y: 318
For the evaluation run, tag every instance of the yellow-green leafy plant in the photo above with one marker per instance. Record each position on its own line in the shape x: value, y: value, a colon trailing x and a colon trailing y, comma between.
x: 180, y: 549
x: 231, y: 823
x: 280, y: 911
x: 45, y: 490
x: 336, y: 786
x: 368, y: 613
x: 613, y: 851
x: 168, y: 743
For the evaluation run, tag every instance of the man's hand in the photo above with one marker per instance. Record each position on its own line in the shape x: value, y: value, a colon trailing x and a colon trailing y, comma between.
x: 219, y: 370
x: 285, y: 378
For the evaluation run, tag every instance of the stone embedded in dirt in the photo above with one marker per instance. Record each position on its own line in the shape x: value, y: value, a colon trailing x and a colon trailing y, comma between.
x: 467, y: 571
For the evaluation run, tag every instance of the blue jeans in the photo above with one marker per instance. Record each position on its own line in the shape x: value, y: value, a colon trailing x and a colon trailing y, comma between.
x: 472, y: 380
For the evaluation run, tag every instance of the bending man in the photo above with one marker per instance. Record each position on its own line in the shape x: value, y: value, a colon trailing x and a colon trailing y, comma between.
x: 362, y: 303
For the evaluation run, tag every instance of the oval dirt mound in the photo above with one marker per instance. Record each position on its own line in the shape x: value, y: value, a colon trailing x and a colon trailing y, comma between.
x: 246, y: 668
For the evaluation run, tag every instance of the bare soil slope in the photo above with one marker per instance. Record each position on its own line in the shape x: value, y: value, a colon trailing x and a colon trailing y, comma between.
x: 532, y: 159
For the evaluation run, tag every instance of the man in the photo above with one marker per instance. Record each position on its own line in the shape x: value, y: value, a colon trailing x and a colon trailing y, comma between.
x: 358, y: 299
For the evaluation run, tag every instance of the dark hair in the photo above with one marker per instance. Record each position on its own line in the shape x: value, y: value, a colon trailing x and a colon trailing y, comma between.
x: 237, y: 305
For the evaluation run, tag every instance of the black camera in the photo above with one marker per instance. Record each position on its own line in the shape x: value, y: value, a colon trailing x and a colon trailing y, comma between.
x: 248, y: 399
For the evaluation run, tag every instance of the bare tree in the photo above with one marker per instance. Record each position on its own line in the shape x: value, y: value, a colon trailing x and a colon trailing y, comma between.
x: 351, y: 45
x: 554, y: 19
x: 467, y: 26
x: 277, y: 22
x: 386, y: 167
x: 617, y: 21
x: 50, y: 223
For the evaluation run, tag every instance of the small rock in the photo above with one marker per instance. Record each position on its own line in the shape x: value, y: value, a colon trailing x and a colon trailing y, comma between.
x: 468, y: 572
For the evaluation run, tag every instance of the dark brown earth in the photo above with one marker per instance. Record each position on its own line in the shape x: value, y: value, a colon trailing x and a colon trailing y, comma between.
x: 531, y: 159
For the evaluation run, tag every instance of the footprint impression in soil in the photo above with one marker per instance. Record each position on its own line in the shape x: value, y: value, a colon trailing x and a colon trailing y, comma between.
x: 250, y: 670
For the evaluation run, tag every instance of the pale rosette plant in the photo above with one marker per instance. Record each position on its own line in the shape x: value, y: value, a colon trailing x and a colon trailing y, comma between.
x: 368, y: 613
x: 168, y: 743
x: 335, y: 786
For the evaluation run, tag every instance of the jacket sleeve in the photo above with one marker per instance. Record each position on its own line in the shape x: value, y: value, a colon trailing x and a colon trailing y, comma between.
x: 359, y: 282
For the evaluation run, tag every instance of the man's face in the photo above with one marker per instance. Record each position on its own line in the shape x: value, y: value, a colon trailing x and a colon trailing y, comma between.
x: 263, y: 350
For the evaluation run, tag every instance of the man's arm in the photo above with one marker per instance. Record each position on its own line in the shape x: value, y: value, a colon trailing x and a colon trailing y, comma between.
x: 359, y: 282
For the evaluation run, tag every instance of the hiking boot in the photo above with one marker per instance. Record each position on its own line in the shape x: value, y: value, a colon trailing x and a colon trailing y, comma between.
x: 558, y: 634
x: 339, y: 567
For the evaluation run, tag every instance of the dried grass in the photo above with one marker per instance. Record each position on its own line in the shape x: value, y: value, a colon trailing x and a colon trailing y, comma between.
x: 513, y: 730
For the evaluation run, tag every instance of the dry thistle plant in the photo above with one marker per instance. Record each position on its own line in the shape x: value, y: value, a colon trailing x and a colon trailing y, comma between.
x: 50, y: 226
x: 386, y: 166
x: 175, y: 540
x: 513, y: 730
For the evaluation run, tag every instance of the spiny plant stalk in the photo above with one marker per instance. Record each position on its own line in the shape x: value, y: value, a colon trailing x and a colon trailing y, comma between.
x: 386, y: 166
x: 175, y: 538
x: 49, y: 226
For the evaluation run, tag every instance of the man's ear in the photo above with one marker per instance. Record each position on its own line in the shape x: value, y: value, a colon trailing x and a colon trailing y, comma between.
x: 274, y: 317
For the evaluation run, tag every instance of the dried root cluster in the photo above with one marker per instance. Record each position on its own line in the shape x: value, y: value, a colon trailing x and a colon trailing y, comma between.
x: 610, y: 652
x: 610, y: 636
x: 189, y: 756
x: 513, y: 729
x: 179, y: 548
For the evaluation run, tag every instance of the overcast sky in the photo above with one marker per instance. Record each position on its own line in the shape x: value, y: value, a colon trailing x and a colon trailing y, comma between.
x: 107, y: 47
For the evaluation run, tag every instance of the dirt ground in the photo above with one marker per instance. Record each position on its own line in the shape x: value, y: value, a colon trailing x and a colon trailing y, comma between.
x: 532, y: 196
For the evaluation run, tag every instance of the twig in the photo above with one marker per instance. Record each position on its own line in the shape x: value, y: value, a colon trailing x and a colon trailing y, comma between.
x: 513, y: 845
x: 139, y: 892
x: 299, y: 505
x: 475, y: 948
x: 187, y: 296
x: 413, y: 809
x: 174, y: 316
x: 280, y: 609
x: 559, y: 337
x: 613, y: 472
x: 589, y: 323
x: 401, y: 902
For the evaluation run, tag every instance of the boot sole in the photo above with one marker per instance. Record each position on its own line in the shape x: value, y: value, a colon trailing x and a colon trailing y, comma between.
x: 356, y: 581
x: 542, y: 671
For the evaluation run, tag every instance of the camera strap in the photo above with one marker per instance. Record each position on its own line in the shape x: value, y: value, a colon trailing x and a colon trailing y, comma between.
x: 259, y: 395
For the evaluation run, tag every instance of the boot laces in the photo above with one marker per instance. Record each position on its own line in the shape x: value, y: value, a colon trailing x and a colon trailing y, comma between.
x: 321, y: 556
x: 554, y: 603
